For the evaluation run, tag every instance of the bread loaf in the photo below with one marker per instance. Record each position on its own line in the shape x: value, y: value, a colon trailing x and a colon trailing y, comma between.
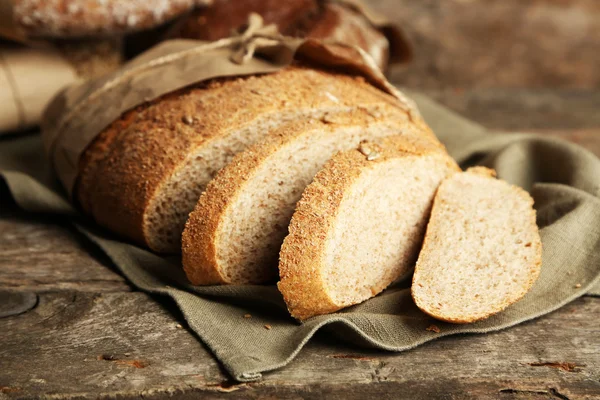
x: 360, y: 223
x: 300, y: 18
x: 144, y: 174
x: 237, y: 228
x: 76, y: 18
x: 482, y: 250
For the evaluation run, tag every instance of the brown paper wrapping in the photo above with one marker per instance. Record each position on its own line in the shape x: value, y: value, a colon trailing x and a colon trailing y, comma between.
x: 29, y: 78
x: 400, y: 49
x: 76, y: 116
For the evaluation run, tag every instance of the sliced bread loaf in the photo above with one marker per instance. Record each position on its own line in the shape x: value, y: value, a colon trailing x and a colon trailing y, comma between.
x: 236, y: 230
x: 142, y: 176
x: 360, y: 223
x: 482, y: 250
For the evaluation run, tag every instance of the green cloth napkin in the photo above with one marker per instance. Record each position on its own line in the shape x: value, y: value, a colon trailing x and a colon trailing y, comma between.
x: 564, y: 180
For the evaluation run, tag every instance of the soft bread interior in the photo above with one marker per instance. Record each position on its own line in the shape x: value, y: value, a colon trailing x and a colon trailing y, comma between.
x: 360, y: 223
x: 379, y: 227
x: 482, y: 250
x: 254, y: 223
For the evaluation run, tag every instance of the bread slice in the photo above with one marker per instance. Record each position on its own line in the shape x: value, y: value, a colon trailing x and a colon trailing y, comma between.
x: 482, y: 250
x: 236, y: 230
x: 143, y: 176
x: 360, y: 223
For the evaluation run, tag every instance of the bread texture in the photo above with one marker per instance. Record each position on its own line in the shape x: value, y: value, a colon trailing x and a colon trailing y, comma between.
x: 78, y: 18
x: 482, y: 250
x: 234, y: 234
x: 359, y: 225
x: 144, y: 174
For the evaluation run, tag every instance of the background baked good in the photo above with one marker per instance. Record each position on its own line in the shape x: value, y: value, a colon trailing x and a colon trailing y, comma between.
x: 76, y: 18
x: 301, y: 18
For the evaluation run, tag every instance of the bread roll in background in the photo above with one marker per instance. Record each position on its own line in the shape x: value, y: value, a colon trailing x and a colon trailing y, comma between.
x: 300, y: 18
x: 93, y: 18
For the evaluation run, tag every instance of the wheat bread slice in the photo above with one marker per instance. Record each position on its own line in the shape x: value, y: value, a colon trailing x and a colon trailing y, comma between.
x: 235, y: 232
x: 482, y: 250
x: 143, y: 176
x: 359, y: 225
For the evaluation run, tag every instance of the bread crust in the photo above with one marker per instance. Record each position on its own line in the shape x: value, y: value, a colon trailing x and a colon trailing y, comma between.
x: 429, y: 240
x: 202, y: 234
x: 76, y: 18
x: 130, y: 165
x: 303, y: 249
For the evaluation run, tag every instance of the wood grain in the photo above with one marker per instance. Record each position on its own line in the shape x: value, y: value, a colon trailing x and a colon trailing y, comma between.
x: 45, y: 254
x: 127, y: 345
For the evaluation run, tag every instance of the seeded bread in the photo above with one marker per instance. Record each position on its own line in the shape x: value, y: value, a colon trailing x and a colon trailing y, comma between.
x: 76, y: 18
x: 360, y: 223
x: 144, y: 174
x: 236, y: 230
x: 482, y: 250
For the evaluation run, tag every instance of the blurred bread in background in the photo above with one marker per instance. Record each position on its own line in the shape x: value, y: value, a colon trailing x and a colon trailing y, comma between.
x: 324, y: 20
x: 85, y: 18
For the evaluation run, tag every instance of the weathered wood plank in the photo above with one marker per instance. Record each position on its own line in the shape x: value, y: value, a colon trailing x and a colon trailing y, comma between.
x: 82, y: 344
x: 42, y: 253
x: 509, y: 43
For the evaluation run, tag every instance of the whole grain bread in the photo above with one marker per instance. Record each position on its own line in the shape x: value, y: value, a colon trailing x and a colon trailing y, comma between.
x: 144, y: 174
x: 236, y: 230
x: 482, y: 250
x: 360, y: 223
x: 78, y: 18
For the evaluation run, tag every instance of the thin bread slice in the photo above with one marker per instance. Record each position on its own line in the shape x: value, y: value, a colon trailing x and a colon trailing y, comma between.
x: 482, y: 250
x: 236, y: 230
x: 360, y: 223
x: 144, y: 175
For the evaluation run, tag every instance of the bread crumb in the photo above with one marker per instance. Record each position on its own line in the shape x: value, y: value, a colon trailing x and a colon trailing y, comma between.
x: 268, y: 327
x: 577, y: 286
x: 370, y: 153
x: 247, y: 316
x: 433, y: 328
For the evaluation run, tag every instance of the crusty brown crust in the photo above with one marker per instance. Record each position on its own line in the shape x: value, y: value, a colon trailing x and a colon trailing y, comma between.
x: 76, y: 18
x: 158, y: 139
x: 201, y: 235
x: 535, y: 268
x: 301, y: 255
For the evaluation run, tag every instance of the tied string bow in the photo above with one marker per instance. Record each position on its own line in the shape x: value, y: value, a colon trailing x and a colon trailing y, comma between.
x: 256, y: 36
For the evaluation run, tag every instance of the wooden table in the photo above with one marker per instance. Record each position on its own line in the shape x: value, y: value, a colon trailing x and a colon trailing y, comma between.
x: 91, y: 334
